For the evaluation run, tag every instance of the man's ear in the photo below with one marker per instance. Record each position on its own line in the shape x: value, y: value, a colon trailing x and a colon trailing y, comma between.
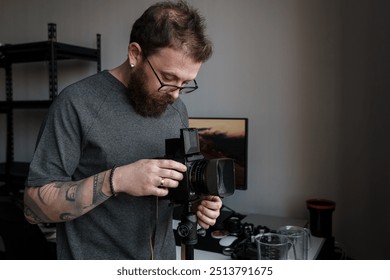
x: 134, y: 53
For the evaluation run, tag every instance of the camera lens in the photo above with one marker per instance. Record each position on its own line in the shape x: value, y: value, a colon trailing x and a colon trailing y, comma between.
x: 212, y: 177
x: 198, y: 176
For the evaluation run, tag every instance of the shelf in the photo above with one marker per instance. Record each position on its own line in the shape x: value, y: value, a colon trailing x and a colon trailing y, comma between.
x: 18, y: 172
x: 15, y: 173
x: 40, y: 51
x: 24, y: 104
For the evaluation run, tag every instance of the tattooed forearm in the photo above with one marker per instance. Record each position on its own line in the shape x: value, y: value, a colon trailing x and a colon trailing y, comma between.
x: 65, y: 201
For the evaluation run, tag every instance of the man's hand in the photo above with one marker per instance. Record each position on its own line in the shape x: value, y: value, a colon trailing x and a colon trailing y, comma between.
x: 148, y: 177
x: 208, y: 211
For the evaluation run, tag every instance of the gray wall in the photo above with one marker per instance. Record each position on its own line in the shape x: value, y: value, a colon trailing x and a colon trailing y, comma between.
x: 309, y: 75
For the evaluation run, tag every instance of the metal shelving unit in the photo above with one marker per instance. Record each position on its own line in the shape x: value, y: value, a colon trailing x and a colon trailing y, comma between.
x: 12, y: 173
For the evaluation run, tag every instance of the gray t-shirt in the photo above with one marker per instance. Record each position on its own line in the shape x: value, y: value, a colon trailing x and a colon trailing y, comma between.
x: 92, y: 126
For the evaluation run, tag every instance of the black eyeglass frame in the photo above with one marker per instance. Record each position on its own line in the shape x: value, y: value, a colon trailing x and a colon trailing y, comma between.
x: 185, y: 89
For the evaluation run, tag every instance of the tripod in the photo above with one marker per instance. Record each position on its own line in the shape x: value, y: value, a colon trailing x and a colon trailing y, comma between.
x: 187, y: 230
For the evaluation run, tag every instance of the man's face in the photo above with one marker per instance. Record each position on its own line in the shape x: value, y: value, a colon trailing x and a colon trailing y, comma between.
x: 172, y: 67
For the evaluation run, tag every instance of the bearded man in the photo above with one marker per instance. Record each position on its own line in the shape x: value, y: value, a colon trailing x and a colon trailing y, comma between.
x: 94, y: 172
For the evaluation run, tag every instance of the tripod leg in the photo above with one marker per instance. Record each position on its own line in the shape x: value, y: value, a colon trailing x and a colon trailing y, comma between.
x: 187, y: 252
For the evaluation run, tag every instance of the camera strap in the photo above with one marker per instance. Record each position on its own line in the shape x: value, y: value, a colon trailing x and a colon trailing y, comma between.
x: 153, y: 233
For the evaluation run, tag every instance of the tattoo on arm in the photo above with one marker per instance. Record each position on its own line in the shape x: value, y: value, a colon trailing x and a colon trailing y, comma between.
x: 45, y: 193
x: 33, y: 212
x: 71, y: 192
x: 98, y: 196
x: 67, y: 217
x: 71, y: 197
x: 31, y: 216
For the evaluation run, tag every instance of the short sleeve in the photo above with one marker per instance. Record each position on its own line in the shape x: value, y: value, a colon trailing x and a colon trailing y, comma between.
x: 58, y: 146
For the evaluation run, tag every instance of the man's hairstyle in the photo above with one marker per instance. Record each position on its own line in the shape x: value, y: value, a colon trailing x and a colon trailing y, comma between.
x: 172, y: 24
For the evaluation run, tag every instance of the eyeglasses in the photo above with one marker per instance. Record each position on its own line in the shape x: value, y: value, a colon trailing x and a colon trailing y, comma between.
x: 167, y: 88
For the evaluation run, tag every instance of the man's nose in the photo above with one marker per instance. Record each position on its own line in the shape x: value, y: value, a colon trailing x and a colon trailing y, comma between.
x: 174, y: 93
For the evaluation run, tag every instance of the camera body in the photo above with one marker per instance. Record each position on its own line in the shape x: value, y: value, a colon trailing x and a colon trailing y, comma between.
x: 203, y: 176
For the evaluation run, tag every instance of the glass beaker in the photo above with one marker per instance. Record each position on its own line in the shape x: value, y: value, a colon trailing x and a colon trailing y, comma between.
x: 272, y: 246
x: 301, y: 239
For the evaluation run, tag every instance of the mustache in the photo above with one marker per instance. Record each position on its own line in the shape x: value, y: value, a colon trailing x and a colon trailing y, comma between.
x: 163, y: 98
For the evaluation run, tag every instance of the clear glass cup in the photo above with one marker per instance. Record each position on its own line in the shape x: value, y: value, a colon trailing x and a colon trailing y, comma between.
x: 301, y: 240
x: 273, y: 246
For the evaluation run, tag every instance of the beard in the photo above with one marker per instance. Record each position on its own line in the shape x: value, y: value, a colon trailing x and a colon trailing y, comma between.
x: 147, y: 104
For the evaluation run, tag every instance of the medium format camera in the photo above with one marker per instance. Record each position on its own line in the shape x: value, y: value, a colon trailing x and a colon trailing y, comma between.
x: 203, y: 176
